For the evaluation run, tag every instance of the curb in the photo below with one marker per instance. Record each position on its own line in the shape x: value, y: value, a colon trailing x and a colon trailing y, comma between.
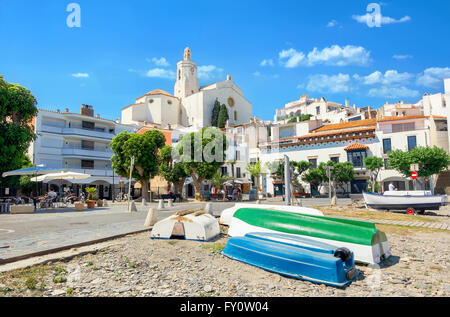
x: 70, y: 246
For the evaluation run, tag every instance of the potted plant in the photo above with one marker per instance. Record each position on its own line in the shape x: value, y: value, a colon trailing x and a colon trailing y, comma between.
x: 79, y: 205
x: 99, y: 203
x: 92, y: 196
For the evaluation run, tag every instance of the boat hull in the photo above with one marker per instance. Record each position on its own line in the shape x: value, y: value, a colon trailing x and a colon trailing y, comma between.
x: 198, y: 227
x: 368, y: 244
x: 227, y: 214
x: 403, y: 202
x: 293, y: 256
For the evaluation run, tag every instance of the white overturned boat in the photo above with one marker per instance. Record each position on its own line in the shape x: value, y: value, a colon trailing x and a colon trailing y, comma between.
x: 227, y: 214
x: 412, y: 201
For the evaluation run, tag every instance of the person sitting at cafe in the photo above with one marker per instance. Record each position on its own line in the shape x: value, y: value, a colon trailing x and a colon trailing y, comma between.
x: 52, y: 194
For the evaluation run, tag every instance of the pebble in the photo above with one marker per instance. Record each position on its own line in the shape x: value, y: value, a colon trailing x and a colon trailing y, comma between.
x: 188, y: 269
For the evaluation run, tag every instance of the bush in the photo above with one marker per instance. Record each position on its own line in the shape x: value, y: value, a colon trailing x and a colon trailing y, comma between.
x: 31, y: 283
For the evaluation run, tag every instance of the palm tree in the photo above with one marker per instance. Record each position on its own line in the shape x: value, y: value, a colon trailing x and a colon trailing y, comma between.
x: 219, y: 180
x: 254, y: 169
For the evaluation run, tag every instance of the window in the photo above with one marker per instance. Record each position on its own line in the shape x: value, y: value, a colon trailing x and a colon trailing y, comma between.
x: 88, y: 125
x: 314, y: 162
x: 238, y: 155
x: 317, y: 110
x: 85, y: 164
x: 235, y: 115
x: 334, y: 159
x: 386, y: 145
x: 238, y: 172
x: 87, y: 145
x: 357, y: 157
x: 169, y: 102
x: 231, y: 102
x: 400, y: 127
x: 224, y: 170
x: 412, y: 142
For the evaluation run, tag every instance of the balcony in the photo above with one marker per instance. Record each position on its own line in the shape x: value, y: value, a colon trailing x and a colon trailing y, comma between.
x: 78, y: 131
x: 79, y: 151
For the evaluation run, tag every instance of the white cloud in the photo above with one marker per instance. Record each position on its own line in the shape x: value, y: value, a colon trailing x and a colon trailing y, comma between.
x: 267, y: 62
x: 400, y: 57
x: 256, y: 74
x: 334, y: 55
x: 384, y: 19
x: 160, y: 73
x: 293, y: 57
x: 159, y: 61
x: 332, y: 23
x: 390, y: 77
x: 329, y: 83
x: 340, y: 56
x: 81, y: 75
x: 208, y: 72
x: 393, y: 92
x: 433, y: 77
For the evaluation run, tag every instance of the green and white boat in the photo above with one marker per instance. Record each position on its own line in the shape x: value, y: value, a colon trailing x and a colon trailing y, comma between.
x: 368, y: 244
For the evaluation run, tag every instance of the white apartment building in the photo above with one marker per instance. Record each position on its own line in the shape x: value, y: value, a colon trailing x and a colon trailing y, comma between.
x: 79, y: 142
x: 319, y: 109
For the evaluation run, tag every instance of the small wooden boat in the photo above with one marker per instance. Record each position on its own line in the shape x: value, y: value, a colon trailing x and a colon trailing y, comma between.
x: 294, y: 256
x: 227, y: 214
x: 191, y: 225
x: 368, y: 244
x: 412, y: 201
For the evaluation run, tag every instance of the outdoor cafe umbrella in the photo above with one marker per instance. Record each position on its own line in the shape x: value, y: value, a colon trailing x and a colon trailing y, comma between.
x: 33, y: 170
x: 62, y: 175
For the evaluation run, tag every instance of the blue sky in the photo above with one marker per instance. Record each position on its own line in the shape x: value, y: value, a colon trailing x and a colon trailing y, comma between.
x: 274, y: 50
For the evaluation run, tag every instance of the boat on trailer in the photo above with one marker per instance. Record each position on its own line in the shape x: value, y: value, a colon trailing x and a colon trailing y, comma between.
x: 294, y: 256
x: 227, y: 214
x: 411, y: 201
x: 368, y: 244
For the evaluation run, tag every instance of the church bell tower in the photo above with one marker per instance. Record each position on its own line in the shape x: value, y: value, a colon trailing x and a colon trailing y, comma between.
x: 187, y: 81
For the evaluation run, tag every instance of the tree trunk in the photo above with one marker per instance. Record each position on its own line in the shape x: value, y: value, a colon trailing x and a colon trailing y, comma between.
x: 334, y: 194
x: 145, y: 193
x: 179, y: 188
x: 198, y: 187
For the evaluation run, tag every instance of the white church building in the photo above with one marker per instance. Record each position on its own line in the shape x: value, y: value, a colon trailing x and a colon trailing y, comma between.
x: 190, y: 105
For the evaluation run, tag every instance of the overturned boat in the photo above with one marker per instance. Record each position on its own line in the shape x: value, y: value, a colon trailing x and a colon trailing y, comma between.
x: 294, y: 256
x: 188, y: 225
x: 227, y: 214
x: 368, y: 244
x: 411, y: 201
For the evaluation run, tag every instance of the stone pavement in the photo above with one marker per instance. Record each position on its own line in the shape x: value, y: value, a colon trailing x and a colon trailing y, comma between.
x: 431, y: 225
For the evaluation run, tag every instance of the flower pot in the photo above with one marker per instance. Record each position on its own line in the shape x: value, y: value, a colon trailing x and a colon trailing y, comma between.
x: 91, y: 204
x: 79, y: 206
x: 100, y: 203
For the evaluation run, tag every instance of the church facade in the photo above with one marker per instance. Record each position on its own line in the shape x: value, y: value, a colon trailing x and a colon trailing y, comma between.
x: 190, y: 105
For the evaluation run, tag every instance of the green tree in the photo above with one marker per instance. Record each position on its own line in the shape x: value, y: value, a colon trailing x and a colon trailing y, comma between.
x: 172, y: 172
x: 215, y: 114
x: 223, y: 117
x: 219, y: 181
x: 314, y: 177
x: 202, y: 153
x: 374, y: 165
x: 17, y: 110
x: 431, y: 160
x: 254, y: 169
x: 145, y: 148
x: 298, y: 168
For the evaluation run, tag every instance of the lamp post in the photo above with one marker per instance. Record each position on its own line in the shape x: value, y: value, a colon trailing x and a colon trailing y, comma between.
x: 129, y: 181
